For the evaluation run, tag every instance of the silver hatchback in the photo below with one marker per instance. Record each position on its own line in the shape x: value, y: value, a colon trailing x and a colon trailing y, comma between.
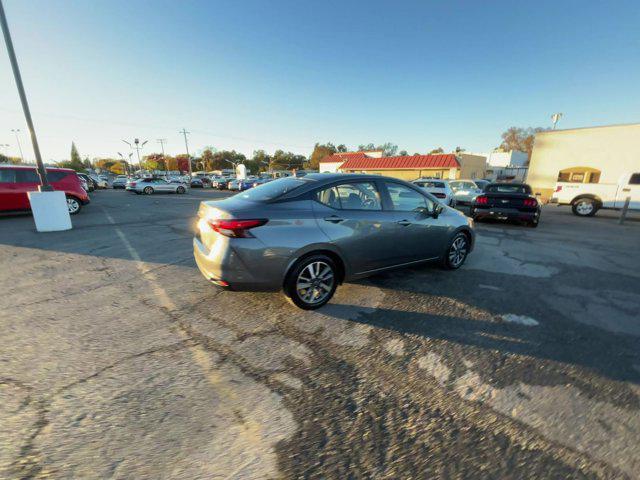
x: 307, y: 235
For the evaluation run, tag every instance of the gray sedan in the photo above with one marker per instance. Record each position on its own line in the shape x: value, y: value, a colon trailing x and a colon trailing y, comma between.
x: 153, y: 185
x: 307, y: 235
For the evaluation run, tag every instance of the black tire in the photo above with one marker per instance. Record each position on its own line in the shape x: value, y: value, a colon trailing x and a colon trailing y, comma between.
x: 74, y: 205
x: 147, y: 190
x: 451, y: 259
x: 181, y: 190
x: 585, y: 207
x: 533, y: 223
x: 318, y: 283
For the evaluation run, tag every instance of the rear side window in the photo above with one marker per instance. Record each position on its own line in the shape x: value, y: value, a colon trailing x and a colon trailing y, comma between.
x: 271, y: 190
x: 27, y: 176
x: 7, y: 175
x: 56, y: 176
x: 508, y: 188
x: 635, y: 179
x: 351, y: 196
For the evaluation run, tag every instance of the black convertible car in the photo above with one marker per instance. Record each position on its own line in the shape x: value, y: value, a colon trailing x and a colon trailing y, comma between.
x: 507, y: 201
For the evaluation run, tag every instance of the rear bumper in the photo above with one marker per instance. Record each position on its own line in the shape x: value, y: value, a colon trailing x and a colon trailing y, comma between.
x: 499, y: 213
x: 223, y: 267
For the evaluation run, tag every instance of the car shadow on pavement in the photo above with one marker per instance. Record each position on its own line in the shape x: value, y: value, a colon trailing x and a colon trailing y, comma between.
x: 448, y: 306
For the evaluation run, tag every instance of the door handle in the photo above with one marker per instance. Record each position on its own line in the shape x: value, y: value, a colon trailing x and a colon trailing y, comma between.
x: 626, y: 189
x: 404, y: 223
x: 334, y: 219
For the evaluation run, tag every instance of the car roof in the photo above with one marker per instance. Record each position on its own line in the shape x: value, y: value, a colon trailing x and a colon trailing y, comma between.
x: 32, y: 167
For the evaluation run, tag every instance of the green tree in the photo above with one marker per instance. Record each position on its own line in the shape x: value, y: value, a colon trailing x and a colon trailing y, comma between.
x: 207, y: 159
x: 518, y: 138
x: 12, y: 160
x: 320, y: 152
x: 403, y: 153
x: 75, y: 162
x: 388, y: 149
x: 436, y: 151
x: 282, y: 160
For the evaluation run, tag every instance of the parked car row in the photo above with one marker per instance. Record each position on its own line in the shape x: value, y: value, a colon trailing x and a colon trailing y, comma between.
x: 16, y: 181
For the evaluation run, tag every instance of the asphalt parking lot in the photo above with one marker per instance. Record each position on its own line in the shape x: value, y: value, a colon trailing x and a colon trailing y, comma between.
x: 118, y: 360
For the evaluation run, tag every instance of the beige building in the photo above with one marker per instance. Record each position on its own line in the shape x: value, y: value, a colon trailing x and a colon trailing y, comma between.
x: 410, y: 167
x: 583, y: 155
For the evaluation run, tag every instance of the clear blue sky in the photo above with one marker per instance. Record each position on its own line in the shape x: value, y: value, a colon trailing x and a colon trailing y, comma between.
x: 285, y: 74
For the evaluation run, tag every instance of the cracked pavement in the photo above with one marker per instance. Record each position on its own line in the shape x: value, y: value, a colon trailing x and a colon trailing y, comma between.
x: 523, y: 364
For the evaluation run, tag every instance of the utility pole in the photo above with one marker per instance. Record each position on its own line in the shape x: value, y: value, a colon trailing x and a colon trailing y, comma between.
x: 162, y: 141
x: 16, y: 131
x: 42, y: 172
x: 186, y: 145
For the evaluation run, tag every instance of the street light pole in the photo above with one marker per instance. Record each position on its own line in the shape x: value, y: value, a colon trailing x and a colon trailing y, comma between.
x: 137, y: 148
x: 16, y: 131
x: 42, y: 172
x: 186, y: 145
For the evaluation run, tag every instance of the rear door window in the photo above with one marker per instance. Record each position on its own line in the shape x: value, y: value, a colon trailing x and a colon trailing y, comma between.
x: 27, y: 175
x: 351, y: 196
x: 635, y: 179
x: 7, y: 175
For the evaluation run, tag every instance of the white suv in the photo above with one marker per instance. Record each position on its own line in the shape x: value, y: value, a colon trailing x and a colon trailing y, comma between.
x: 439, y: 188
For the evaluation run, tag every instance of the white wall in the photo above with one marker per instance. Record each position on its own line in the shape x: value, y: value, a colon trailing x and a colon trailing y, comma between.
x: 329, y: 167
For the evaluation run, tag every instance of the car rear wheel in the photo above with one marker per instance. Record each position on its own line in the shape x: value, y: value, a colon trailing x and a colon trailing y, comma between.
x: 584, y: 207
x: 457, y: 252
x: 74, y: 205
x: 312, y: 282
x: 148, y: 190
x: 180, y: 190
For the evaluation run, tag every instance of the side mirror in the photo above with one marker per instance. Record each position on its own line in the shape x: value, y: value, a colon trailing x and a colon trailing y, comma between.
x: 437, y: 210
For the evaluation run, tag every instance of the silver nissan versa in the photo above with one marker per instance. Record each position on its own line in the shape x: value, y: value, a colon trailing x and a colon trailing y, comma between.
x: 306, y: 235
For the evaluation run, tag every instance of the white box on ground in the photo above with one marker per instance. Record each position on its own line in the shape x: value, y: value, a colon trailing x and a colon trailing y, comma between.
x: 50, y: 211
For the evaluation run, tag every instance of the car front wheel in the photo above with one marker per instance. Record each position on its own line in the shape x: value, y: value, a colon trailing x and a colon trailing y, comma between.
x: 180, y: 190
x: 74, y: 205
x: 312, y: 282
x: 584, y: 207
x: 457, y: 252
x: 147, y: 190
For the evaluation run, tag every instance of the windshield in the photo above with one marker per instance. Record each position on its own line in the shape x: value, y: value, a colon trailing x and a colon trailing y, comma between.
x: 508, y: 188
x: 271, y: 190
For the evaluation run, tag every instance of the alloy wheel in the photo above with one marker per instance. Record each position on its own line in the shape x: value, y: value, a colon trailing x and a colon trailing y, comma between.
x: 315, y: 282
x: 73, y: 205
x: 458, y: 251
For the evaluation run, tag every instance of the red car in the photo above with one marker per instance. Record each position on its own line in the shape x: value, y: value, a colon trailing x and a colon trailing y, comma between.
x: 17, y: 180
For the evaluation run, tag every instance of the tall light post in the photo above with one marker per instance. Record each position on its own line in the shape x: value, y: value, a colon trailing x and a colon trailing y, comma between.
x: 555, y: 118
x: 186, y: 145
x: 16, y: 131
x: 137, y: 146
x: 42, y: 173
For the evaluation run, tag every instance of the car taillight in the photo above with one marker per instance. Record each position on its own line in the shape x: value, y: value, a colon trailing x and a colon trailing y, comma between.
x: 482, y: 200
x: 530, y: 202
x: 235, y: 228
x: 558, y: 188
x: 133, y: 184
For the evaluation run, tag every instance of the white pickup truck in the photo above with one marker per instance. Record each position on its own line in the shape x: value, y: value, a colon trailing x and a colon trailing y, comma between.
x: 587, y: 198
